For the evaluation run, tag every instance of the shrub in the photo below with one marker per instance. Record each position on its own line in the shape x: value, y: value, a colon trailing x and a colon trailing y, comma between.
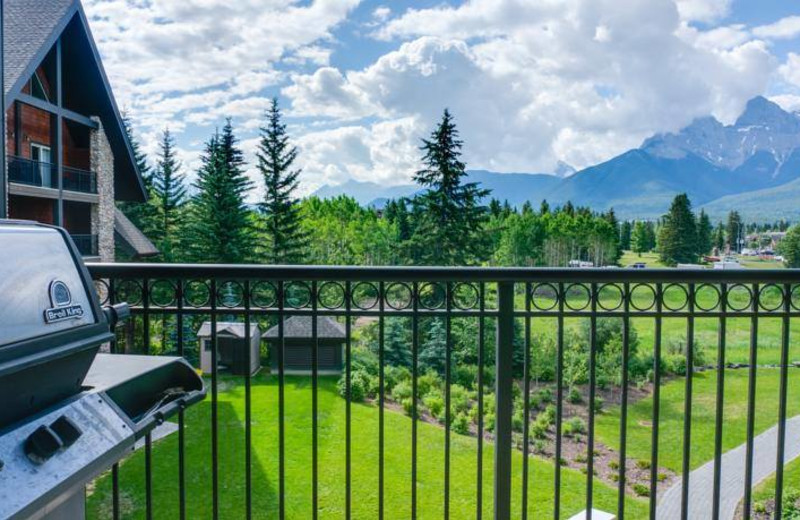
x: 643, y: 464
x: 581, y: 458
x: 574, y: 396
x: 402, y: 391
x: 460, y: 399
x: 465, y: 375
x: 598, y: 404
x: 408, y: 406
x: 613, y: 465
x: 539, y: 446
x: 614, y: 477
x: 435, y: 405
x: 394, y: 375
x: 518, y: 420
x: 461, y: 424
x: 661, y: 477
x: 360, y: 386
x: 641, y: 490
x: 428, y: 382
x: 545, y: 395
x: 574, y: 426
x: 539, y: 429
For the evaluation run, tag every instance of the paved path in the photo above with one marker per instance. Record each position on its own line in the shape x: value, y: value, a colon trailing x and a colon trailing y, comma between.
x: 701, y: 480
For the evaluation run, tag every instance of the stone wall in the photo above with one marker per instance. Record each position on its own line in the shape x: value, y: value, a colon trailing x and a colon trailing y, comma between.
x: 102, y: 164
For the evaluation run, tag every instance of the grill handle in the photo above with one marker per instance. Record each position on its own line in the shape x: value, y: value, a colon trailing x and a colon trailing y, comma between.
x: 116, y: 314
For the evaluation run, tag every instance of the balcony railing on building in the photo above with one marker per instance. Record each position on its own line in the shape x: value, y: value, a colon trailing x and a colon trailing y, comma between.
x: 87, y: 244
x: 43, y: 174
x: 376, y: 461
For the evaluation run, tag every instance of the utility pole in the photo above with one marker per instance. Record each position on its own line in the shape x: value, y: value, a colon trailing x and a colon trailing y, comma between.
x: 3, y: 170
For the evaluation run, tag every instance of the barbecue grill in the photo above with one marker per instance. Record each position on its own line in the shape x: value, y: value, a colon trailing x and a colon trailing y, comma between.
x: 67, y: 412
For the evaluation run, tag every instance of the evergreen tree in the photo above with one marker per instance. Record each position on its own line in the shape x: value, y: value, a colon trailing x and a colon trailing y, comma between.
x: 450, y: 230
x: 544, y: 208
x: 396, y: 350
x: 220, y: 230
x: 734, y: 231
x: 611, y: 218
x: 169, y: 196
x: 677, y: 240
x: 719, y: 238
x: 144, y: 214
x: 288, y: 242
x: 625, y: 230
x: 640, y: 238
x: 433, y: 352
x: 495, y: 208
x: 705, y: 231
x: 790, y: 247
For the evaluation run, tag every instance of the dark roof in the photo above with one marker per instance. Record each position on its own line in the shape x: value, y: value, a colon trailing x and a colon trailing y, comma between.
x: 227, y: 327
x: 132, y: 238
x: 31, y: 28
x: 299, y: 327
x: 29, y: 25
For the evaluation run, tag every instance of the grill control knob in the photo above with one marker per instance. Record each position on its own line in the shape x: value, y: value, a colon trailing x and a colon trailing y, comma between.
x: 42, y: 444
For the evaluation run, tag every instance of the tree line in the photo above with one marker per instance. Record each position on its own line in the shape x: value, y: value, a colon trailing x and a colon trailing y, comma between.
x: 449, y: 222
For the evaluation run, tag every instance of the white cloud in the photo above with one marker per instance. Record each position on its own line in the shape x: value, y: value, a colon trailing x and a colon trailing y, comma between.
x: 178, y: 60
x: 785, y: 28
x: 790, y: 102
x: 703, y: 10
x: 790, y: 70
x: 532, y: 83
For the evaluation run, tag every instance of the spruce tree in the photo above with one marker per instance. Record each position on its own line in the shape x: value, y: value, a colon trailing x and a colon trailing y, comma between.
x: 640, y: 239
x: 625, y: 230
x: 280, y: 210
x: 677, y: 239
x: 169, y: 197
x: 452, y: 217
x: 734, y: 231
x: 220, y: 230
x: 704, y: 234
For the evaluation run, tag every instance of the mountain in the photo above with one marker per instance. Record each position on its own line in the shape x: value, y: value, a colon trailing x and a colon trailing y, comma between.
x: 517, y: 188
x: 767, y: 205
x: 752, y: 165
x: 707, y: 160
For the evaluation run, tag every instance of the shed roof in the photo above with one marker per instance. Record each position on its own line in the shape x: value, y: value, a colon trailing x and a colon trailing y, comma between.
x: 299, y: 327
x: 227, y: 327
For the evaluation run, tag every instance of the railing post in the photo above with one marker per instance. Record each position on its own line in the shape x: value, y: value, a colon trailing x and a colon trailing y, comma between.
x: 504, y: 399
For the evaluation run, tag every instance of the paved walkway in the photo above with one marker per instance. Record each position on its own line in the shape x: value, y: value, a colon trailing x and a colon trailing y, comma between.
x: 701, y: 480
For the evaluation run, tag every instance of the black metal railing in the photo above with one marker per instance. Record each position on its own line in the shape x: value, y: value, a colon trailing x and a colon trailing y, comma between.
x: 37, y: 173
x: 533, y: 336
x: 32, y: 173
x: 76, y: 179
x: 87, y: 244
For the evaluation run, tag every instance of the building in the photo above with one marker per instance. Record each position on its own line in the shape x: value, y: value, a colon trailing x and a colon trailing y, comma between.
x: 232, y: 348
x: 298, y: 340
x: 68, y: 155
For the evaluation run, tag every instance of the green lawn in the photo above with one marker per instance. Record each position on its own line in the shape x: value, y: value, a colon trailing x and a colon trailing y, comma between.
x: 703, y: 416
x: 650, y: 259
x: 791, y: 485
x: 331, y: 464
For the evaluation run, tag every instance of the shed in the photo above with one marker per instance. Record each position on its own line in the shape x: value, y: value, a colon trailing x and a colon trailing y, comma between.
x: 298, y: 342
x: 232, y: 350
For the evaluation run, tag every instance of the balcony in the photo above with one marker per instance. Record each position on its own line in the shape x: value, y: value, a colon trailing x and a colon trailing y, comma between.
x: 87, y: 244
x: 45, y: 175
x: 461, y: 388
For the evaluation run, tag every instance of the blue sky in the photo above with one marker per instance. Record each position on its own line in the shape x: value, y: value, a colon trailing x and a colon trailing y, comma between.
x: 532, y: 83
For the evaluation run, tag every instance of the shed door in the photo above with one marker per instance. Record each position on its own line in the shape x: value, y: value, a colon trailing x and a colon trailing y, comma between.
x: 298, y: 357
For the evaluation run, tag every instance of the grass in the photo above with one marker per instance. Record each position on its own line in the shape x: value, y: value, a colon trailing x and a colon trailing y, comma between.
x: 791, y: 481
x: 331, y: 464
x: 671, y: 423
x: 649, y: 259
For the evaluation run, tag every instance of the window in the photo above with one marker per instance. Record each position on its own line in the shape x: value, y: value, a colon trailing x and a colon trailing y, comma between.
x: 37, y: 88
x: 41, y: 154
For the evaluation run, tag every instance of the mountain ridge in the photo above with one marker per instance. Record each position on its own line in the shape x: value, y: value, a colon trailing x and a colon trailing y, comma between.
x: 713, y: 163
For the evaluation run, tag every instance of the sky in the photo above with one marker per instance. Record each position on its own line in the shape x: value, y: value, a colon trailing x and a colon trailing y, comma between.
x: 532, y: 84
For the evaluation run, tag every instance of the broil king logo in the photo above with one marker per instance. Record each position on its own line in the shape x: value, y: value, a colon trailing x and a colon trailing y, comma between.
x: 61, y: 301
